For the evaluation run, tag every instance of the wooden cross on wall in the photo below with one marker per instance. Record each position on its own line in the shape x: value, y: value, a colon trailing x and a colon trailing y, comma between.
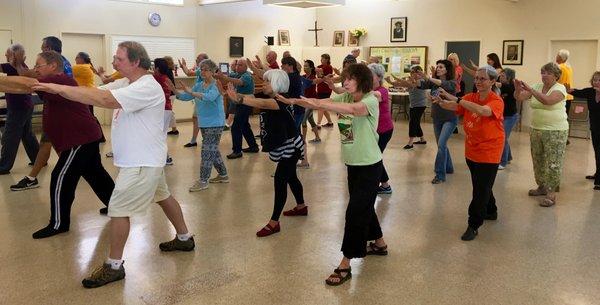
x: 316, y: 30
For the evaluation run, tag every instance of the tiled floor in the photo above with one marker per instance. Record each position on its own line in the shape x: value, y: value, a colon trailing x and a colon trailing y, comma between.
x: 530, y: 255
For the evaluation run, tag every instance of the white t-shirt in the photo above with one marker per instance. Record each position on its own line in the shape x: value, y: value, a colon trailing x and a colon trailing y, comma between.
x: 138, y: 137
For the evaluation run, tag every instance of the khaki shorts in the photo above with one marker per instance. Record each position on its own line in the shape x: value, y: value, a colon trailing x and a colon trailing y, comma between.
x: 135, y: 189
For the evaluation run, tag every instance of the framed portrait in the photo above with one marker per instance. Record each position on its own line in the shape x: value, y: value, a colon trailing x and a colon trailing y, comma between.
x: 512, y: 52
x: 398, y: 29
x: 352, y: 40
x: 236, y: 46
x: 338, y: 38
x: 398, y: 60
x: 224, y: 67
x: 284, y: 37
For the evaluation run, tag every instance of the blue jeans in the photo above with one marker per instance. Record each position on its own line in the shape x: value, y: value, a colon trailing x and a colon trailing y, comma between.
x: 443, y: 162
x: 240, y: 129
x: 509, y: 123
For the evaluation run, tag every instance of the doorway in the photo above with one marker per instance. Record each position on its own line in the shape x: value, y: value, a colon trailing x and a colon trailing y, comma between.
x: 466, y: 50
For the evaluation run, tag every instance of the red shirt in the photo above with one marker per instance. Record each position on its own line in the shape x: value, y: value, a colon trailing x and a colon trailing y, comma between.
x: 67, y: 123
x: 323, y: 88
x: 274, y: 65
x: 162, y: 80
x: 485, y: 135
x: 310, y: 91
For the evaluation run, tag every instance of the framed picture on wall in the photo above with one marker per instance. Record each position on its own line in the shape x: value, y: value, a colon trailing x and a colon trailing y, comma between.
x: 338, y: 38
x: 512, y: 52
x: 236, y: 46
x: 284, y: 37
x: 352, y: 40
x: 398, y: 29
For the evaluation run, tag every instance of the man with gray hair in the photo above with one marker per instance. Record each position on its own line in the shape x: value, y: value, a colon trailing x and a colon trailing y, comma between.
x: 19, y: 109
x: 140, y: 150
x: 566, y: 77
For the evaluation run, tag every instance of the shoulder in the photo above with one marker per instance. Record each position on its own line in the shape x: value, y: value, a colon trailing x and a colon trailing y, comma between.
x: 61, y: 79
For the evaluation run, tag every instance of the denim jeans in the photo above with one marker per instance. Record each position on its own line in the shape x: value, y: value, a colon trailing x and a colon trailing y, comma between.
x: 509, y: 123
x: 443, y: 162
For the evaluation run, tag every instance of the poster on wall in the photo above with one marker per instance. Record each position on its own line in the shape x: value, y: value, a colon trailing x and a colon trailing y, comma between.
x: 236, y: 46
x: 399, y: 60
x: 512, y: 52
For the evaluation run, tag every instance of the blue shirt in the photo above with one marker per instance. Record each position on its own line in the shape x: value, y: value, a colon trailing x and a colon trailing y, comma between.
x: 248, y: 87
x: 209, y: 108
x: 198, y: 76
x: 295, y: 90
x: 67, y: 67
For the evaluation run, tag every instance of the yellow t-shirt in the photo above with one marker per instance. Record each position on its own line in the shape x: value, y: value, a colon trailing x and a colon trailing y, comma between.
x: 116, y: 75
x: 566, y: 77
x: 83, y: 75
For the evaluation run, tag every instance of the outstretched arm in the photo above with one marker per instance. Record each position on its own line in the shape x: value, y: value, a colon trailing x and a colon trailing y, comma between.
x: 17, y: 84
x: 84, y: 95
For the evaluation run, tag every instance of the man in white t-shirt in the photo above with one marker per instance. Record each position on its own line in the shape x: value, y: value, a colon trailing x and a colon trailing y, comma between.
x: 140, y: 150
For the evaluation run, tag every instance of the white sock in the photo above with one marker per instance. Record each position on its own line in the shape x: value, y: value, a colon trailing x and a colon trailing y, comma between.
x: 115, y: 264
x: 30, y: 178
x: 184, y: 237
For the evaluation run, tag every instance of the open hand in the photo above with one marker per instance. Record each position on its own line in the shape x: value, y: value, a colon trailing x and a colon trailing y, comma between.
x: 231, y: 92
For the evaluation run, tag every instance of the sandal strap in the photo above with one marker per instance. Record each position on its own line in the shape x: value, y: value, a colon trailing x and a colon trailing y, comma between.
x: 376, y: 248
x: 339, y: 271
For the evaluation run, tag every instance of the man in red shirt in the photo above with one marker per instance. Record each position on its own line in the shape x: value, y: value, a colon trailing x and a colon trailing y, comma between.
x: 74, y: 134
x: 272, y: 60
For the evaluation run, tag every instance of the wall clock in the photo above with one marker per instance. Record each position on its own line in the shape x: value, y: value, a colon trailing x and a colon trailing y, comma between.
x: 154, y: 19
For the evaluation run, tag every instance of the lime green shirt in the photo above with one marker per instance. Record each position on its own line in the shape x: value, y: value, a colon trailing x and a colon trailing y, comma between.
x: 549, y: 117
x: 359, y: 133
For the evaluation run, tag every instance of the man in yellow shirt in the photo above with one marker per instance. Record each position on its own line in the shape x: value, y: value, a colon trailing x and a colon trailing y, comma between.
x: 566, y: 76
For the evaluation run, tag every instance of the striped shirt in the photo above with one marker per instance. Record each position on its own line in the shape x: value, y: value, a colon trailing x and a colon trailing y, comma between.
x: 289, y: 149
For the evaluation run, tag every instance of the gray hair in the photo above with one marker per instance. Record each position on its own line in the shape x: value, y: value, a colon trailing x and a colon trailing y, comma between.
x: 490, y: 71
x: 135, y: 52
x: 16, y: 48
x: 378, y: 70
x: 564, y: 54
x: 209, y: 65
x: 279, y: 80
x: 510, y: 74
x: 552, y: 68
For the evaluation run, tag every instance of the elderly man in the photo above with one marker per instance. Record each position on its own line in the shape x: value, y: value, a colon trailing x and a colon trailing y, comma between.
x: 19, y: 108
x: 272, y: 60
x: 241, y: 127
x: 75, y: 135
x: 140, y: 151
x: 355, y: 53
x: 566, y: 77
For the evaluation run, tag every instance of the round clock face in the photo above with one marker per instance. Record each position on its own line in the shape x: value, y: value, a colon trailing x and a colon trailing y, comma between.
x: 154, y: 19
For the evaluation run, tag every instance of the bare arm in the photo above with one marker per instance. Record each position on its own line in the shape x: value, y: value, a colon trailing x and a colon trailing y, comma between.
x: 469, y: 71
x: 250, y: 100
x: 17, y: 84
x: 84, y: 95
x: 449, y: 102
x: 356, y: 109
x: 185, y: 69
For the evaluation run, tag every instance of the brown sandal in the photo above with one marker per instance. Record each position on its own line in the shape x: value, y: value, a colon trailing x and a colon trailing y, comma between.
x: 337, y: 274
x: 375, y: 250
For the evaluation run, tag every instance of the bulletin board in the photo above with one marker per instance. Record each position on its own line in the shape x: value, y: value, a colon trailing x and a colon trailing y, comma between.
x: 398, y: 60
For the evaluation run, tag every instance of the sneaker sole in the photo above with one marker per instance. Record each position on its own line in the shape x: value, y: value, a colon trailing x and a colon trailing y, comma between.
x: 24, y: 188
x: 225, y: 181
x: 197, y: 190
x: 96, y: 285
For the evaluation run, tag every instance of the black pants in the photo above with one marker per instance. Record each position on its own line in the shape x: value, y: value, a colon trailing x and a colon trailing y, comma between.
x: 362, y: 224
x: 79, y: 161
x: 596, y: 144
x: 17, y: 129
x: 483, y: 176
x: 414, y: 122
x: 286, y: 174
x: 241, y: 128
x: 384, y: 138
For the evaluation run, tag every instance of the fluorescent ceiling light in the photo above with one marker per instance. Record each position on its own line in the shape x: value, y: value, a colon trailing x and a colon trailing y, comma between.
x: 305, y: 3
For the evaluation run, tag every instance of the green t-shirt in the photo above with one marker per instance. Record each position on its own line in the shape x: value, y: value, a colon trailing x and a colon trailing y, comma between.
x: 359, y: 133
x: 549, y: 117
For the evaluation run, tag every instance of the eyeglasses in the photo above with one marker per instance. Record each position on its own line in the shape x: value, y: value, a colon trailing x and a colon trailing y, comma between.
x: 39, y: 66
x: 481, y: 79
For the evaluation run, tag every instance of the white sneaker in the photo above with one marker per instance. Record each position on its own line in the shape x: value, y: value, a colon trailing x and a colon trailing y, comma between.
x: 198, y: 186
x: 500, y: 167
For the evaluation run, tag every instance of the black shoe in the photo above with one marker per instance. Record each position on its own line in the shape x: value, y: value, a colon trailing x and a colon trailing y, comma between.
x: 420, y: 142
x: 568, y: 142
x: 590, y: 177
x: 455, y: 130
x: 407, y: 147
x: 469, y: 234
x: 4, y: 172
x: 173, y: 132
x: 250, y: 149
x: 190, y: 144
x: 492, y: 216
x: 25, y: 184
x: 103, y: 211
x: 47, y: 232
x: 597, y: 187
x: 234, y: 155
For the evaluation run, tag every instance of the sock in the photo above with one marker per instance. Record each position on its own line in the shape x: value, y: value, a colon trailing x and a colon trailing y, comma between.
x: 184, y: 237
x: 115, y: 264
x: 30, y: 178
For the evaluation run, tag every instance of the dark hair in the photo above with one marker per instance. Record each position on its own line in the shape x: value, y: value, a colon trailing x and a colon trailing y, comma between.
x: 416, y: 68
x: 597, y: 73
x: 361, y: 74
x: 349, y: 60
x: 494, y: 57
x: 449, y: 68
x: 53, y: 43
x: 290, y: 61
x: 53, y: 57
x: 162, y: 66
x: 311, y: 65
x: 85, y: 57
x: 326, y: 56
x: 136, y: 52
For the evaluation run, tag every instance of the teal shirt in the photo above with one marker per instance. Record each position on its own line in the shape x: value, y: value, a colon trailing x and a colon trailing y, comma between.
x: 359, y: 133
x: 209, y: 108
x: 248, y: 86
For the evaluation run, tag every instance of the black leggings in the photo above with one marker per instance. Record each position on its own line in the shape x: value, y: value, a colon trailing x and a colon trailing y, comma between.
x: 596, y: 144
x: 414, y: 122
x: 384, y: 138
x: 483, y: 203
x: 286, y: 174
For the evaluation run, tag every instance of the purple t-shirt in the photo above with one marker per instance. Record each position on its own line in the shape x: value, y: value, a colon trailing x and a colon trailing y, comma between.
x: 16, y: 101
x: 385, y: 115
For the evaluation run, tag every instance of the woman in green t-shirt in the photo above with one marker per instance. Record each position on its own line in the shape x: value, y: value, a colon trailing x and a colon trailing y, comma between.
x: 358, y: 110
x: 549, y: 130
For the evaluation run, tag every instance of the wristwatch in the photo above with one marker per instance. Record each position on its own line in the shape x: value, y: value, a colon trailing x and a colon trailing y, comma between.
x: 458, y: 100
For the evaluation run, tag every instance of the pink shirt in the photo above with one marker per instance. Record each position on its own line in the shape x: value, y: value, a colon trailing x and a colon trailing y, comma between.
x: 385, y: 115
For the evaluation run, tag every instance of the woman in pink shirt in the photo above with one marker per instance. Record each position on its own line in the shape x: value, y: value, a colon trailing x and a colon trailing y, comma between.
x: 385, y: 127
